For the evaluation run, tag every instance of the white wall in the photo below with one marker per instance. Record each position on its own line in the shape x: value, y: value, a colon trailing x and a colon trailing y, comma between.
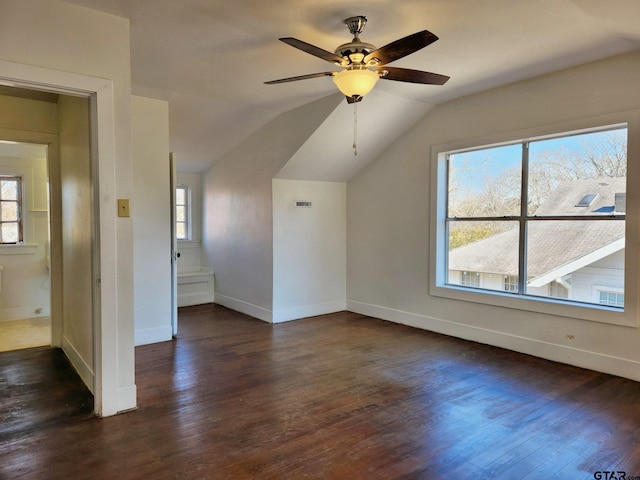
x: 309, y: 249
x: 77, y: 233
x: 389, y: 206
x: 25, y: 291
x: 151, y: 211
x: 606, y: 274
x: 238, y: 216
x: 96, y: 56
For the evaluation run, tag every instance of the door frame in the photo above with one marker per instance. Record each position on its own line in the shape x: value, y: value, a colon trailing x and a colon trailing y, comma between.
x: 174, y: 246
x: 113, y: 369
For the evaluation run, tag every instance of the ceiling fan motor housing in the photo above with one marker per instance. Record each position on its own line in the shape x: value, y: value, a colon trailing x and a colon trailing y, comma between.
x: 355, y: 26
x: 350, y: 48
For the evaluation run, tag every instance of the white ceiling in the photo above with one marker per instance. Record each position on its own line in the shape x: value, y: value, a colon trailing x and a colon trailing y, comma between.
x: 209, y: 59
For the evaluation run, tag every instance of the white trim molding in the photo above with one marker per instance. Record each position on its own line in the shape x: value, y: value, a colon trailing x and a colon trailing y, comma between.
x: 84, y: 370
x: 244, y: 307
x: 304, y: 311
x: 558, y: 353
x: 113, y: 339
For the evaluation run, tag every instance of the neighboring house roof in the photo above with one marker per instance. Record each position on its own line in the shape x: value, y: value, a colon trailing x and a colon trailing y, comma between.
x: 555, y: 248
x: 565, y: 197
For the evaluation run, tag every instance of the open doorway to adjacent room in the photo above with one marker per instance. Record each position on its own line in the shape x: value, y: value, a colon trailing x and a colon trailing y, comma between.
x: 47, y: 228
x: 25, y: 281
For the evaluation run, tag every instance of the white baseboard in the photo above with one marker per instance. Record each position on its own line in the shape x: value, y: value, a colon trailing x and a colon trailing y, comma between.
x: 296, y: 313
x: 283, y: 315
x: 153, y: 335
x: 188, y: 300
x: 8, y: 314
x: 126, y: 398
x: 244, y: 307
x: 559, y: 353
x: 84, y: 370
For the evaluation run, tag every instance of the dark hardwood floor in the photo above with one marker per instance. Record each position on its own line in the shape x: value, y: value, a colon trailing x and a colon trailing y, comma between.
x: 340, y: 396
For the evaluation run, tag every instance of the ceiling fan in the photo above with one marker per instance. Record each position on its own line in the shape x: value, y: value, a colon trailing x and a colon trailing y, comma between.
x: 363, y: 64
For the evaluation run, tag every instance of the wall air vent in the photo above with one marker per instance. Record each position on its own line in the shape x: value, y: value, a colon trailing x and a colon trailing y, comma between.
x: 303, y: 204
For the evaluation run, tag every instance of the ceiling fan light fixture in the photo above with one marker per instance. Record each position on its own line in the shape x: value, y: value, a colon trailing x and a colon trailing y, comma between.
x: 355, y: 82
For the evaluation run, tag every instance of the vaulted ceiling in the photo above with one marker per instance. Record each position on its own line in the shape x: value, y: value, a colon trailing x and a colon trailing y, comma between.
x: 209, y: 59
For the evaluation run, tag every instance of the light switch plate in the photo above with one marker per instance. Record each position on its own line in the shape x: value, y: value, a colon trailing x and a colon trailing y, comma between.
x: 123, y: 207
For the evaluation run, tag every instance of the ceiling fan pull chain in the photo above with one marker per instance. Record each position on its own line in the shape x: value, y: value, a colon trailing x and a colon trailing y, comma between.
x: 355, y: 129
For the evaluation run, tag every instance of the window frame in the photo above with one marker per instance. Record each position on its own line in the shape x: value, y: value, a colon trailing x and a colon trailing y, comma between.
x: 194, y: 182
x: 187, y: 222
x: 20, y: 208
x: 551, y: 306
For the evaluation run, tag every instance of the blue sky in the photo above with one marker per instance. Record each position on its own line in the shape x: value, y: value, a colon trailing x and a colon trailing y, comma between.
x: 495, y: 161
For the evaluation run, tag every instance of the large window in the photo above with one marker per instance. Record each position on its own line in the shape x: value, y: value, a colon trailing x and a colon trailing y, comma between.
x: 10, y: 210
x: 542, y: 218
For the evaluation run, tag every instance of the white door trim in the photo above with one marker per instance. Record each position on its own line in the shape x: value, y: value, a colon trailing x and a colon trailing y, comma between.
x: 110, y: 396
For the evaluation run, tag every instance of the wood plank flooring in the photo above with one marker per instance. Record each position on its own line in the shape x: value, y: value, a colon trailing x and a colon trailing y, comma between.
x: 340, y: 396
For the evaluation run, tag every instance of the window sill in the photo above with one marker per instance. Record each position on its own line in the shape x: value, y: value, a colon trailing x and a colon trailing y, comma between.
x: 548, y: 306
x: 19, y: 249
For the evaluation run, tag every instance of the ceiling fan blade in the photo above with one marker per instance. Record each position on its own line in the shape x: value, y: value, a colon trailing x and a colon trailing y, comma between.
x: 412, y: 76
x: 300, y: 77
x: 313, y: 50
x: 402, y: 47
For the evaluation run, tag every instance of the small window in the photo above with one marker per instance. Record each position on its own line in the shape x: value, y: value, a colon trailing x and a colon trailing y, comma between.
x: 511, y: 283
x: 183, y: 212
x: 613, y: 299
x: 470, y: 279
x: 10, y: 210
x: 587, y: 200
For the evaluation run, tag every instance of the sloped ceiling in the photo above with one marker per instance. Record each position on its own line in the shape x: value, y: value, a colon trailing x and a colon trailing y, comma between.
x: 328, y: 155
x: 209, y: 59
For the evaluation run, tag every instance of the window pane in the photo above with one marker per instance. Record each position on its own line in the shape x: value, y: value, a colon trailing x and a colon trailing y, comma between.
x: 180, y: 213
x: 180, y: 196
x: 575, y: 255
x: 481, y: 254
x: 511, y: 283
x: 10, y: 233
x: 181, y: 231
x: 485, y: 183
x: 9, y: 211
x: 579, y: 163
x: 613, y: 299
x: 9, y: 189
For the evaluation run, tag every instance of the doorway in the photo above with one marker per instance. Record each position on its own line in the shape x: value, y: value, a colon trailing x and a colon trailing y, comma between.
x: 111, y: 373
x: 48, y: 253
x: 25, y: 283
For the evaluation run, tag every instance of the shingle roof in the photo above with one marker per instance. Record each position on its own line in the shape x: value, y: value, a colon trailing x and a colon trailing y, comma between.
x: 551, y: 244
x: 563, y: 199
